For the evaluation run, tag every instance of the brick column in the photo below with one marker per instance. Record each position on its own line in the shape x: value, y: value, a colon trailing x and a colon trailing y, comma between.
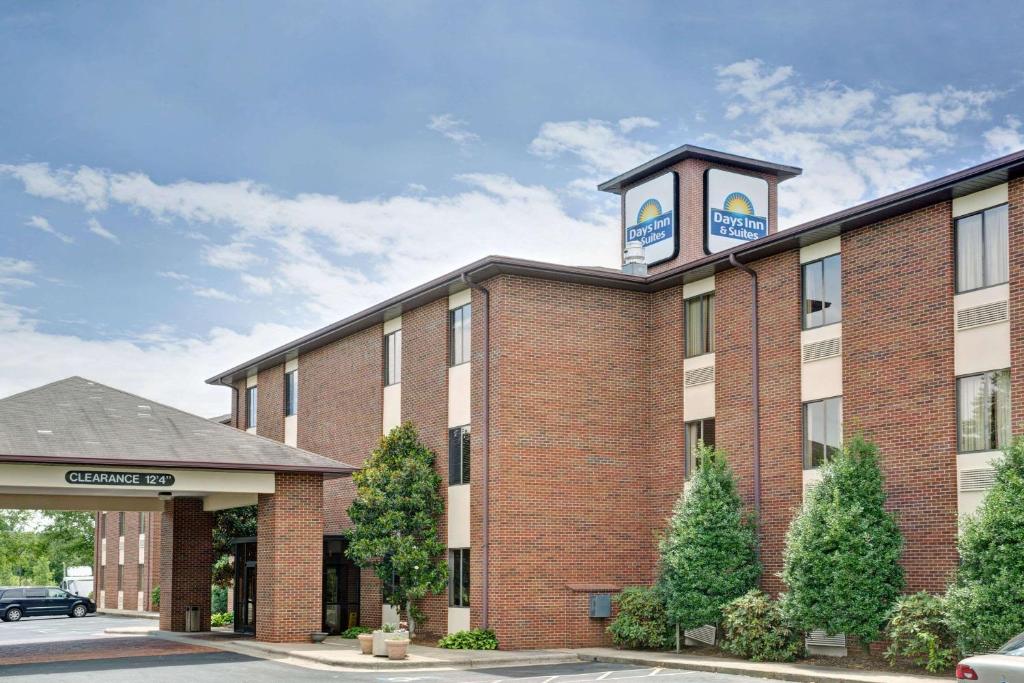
x: 289, y: 561
x: 186, y: 562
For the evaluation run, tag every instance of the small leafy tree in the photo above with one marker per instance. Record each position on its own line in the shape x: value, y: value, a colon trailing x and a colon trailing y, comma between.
x: 641, y: 621
x: 918, y: 629
x: 708, y: 554
x: 754, y: 627
x: 395, y: 513
x: 228, y: 524
x: 841, y: 562
x: 986, y: 599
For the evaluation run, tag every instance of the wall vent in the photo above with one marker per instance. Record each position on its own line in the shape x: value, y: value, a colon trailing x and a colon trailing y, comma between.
x: 809, y: 486
x: 980, y: 479
x: 704, y: 634
x: 821, y: 639
x: 986, y: 314
x: 820, y: 350
x: 704, y: 375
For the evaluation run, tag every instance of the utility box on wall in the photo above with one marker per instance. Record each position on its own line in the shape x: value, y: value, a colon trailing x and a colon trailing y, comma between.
x: 600, y: 606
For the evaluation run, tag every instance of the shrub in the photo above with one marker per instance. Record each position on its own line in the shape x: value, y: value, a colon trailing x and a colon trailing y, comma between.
x: 918, y: 630
x: 841, y: 562
x: 754, y: 627
x: 354, y: 631
x: 477, y: 639
x: 218, y: 599
x: 154, y: 597
x: 986, y: 599
x: 222, y: 619
x: 708, y: 554
x: 641, y: 621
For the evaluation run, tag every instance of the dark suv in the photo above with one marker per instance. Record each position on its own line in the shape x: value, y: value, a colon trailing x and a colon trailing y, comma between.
x: 16, y: 603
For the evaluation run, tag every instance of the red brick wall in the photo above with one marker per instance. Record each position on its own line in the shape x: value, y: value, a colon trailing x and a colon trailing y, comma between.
x: 151, y: 568
x: 186, y: 559
x: 290, y: 559
x: 569, y: 472
x: 1016, y: 234
x: 425, y: 404
x: 691, y: 209
x: 270, y: 398
x: 898, y: 377
x: 340, y: 402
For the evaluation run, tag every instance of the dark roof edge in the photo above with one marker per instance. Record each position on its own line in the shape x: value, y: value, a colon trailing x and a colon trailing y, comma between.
x: 184, y: 464
x: 616, y: 184
x: 835, y: 223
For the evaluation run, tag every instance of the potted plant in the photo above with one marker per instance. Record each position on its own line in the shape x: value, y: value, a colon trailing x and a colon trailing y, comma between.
x: 380, y: 649
x: 398, y: 645
x: 365, y: 643
x: 317, y: 636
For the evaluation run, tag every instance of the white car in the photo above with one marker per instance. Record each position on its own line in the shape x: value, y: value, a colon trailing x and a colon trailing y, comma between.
x: 1005, y: 665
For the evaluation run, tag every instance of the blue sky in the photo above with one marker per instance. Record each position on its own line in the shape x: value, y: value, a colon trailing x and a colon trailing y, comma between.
x: 184, y: 185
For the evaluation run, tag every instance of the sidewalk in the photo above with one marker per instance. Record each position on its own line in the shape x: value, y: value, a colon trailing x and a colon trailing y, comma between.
x: 801, y: 673
x: 127, y: 613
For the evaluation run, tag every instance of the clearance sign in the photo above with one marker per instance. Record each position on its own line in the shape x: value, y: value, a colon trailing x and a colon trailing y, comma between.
x: 651, y: 217
x: 735, y: 209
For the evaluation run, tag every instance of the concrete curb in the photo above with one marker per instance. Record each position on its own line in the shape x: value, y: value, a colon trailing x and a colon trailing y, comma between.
x: 127, y: 613
x: 379, y: 664
x: 797, y: 673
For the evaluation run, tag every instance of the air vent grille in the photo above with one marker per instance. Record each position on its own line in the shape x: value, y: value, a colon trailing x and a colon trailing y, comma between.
x: 705, y: 375
x: 820, y: 350
x: 821, y: 639
x: 809, y: 486
x: 980, y: 479
x: 986, y: 314
x: 704, y: 634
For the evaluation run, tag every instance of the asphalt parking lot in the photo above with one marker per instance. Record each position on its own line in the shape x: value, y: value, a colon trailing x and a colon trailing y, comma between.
x: 77, y: 650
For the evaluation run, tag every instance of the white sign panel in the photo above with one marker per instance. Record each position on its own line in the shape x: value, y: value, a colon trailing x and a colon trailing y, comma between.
x: 735, y: 209
x: 651, y: 217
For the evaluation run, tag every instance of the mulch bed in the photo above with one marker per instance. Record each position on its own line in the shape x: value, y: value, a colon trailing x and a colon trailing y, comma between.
x: 94, y: 648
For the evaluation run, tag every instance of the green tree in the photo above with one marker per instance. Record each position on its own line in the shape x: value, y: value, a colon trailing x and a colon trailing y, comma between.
x: 394, y: 514
x: 841, y: 562
x: 708, y: 554
x: 24, y: 557
x: 986, y: 598
x: 68, y: 537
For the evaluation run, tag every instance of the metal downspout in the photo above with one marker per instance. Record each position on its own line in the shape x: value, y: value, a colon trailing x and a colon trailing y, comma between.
x: 756, y: 391
x: 485, y: 525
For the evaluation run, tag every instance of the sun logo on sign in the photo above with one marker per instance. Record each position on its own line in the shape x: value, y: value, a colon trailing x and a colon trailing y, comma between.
x: 648, y: 210
x: 737, y: 202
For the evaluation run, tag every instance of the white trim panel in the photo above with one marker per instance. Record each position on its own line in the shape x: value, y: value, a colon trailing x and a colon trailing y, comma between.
x: 979, y: 201
x: 460, y: 298
x: 392, y: 407
x: 698, y: 287
x: 458, y: 619
x: 393, y: 325
x: 986, y: 347
x: 821, y: 378
x: 459, y: 412
x: 813, y: 252
x: 698, y: 399
x: 458, y: 516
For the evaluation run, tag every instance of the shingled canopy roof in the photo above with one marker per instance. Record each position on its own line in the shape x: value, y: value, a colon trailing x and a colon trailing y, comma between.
x: 76, y: 420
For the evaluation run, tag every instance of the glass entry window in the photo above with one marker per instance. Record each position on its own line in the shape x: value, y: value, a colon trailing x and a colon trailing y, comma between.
x: 245, y: 584
x: 340, y: 588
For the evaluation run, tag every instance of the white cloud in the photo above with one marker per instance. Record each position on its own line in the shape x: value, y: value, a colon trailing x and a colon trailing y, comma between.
x: 1006, y: 138
x: 339, y: 256
x: 631, y: 123
x: 41, y: 224
x: 853, y: 143
x: 97, y: 229
x: 257, y: 285
x: 600, y: 146
x: 13, y: 272
x: 189, y: 284
x: 172, y: 275
x: 213, y: 293
x: 452, y: 128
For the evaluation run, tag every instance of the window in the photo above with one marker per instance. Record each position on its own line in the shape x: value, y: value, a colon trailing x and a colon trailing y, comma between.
x: 823, y: 431
x: 823, y: 292
x: 458, y: 455
x: 697, y: 431
x: 35, y: 593
x: 700, y: 325
x: 982, y: 252
x: 56, y: 593
x: 120, y: 576
x: 458, y: 577
x: 458, y: 334
x: 103, y: 524
x: 291, y: 393
x: 138, y: 578
x: 143, y: 521
x: 251, y: 398
x: 120, y: 524
x: 393, y: 358
x: 983, y: 411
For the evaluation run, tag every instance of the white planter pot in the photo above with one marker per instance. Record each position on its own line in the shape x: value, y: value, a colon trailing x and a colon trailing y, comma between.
x: 380, y: 648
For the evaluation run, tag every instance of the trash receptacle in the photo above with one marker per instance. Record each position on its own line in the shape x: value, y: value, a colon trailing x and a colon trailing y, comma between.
x: 192, y: 619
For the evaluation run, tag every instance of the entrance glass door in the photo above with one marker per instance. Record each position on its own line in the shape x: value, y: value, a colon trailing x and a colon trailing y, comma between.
x: 340, y: 588
x: 248, y: 622
x: 245, y: 585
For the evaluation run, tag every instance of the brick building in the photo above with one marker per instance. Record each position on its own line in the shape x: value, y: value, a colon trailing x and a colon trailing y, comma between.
x: 564, y: 402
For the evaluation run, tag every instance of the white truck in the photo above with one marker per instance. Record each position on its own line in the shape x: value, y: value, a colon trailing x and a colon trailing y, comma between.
x: 78, y: 581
